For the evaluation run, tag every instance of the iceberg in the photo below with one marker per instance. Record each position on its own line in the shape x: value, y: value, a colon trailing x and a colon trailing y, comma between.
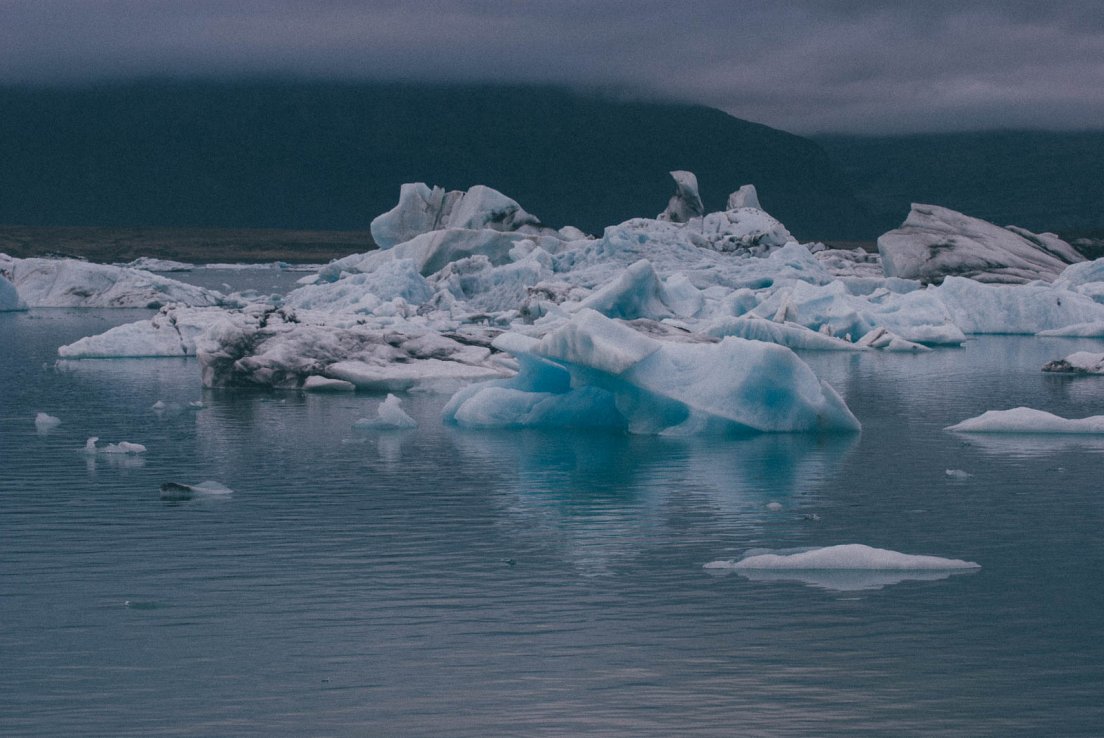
x: 1028, y: 420
x: 595, y: 371
x: 846, y: 556
x: 1029, y: 308
x: 936, y: 242
x: 686, y: 202
x: 389, y: 416
x: 10, y: 300
x: 151, y: 264
x: 315, y: 383
x: 45, y: 423
x: 172, y: 332
x: 1079, y: 362
x: 74, y: 283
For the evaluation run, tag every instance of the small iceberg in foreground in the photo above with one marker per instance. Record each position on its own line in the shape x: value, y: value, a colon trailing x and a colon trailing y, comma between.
x: 177, y: 491
x: 1079, y: 362
x: 390, y: 416
x: 850, y: 566
x: 45, y: 423
x: 1027, y: 420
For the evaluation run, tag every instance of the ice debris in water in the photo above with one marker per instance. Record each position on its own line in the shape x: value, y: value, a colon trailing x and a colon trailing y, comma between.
x: 316, y: 383
x: 1028, y: 420
x: 122, y: 447
x: 1080, y: 362
x: 44, y: 422
x: 958, y: 474
x: 774, y: 506
x: 390, y: 416
x: 177, y: 491
x: 846, y: 556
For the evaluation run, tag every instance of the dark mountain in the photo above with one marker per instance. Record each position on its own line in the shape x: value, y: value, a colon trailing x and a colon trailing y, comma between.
x: 1043, y: 181
x: 332, y: 156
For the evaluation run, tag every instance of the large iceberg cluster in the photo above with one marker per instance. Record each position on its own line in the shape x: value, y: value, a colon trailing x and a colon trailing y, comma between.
x: 687, y: 322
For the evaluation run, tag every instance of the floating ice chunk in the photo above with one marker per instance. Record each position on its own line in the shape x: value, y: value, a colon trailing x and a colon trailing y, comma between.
x: 9, y: 297
x: 773, y: 507
x: 1080, y: 362
x: 881, y: 338
x: 1028, y: 420
x: 122, y: 447
x: 316, y: 383
x: 74, y: 283
x: 44, y: 423
x: 172, y: 332
x: 936, y: 242
x: 177, y: 491
x: 650, y: 386
x: 846, y: 556
x: 958, y: 474
x: 390, y: 416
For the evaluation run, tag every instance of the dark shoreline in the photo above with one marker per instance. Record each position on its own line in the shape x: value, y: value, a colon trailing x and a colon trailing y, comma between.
x: 192, y: 245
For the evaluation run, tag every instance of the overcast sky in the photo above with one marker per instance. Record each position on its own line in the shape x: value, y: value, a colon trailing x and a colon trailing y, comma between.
x: 833, y: 65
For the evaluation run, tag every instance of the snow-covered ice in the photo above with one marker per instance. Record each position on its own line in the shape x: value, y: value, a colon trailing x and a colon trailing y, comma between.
x: 1028, y: 420
x: 389, y: 416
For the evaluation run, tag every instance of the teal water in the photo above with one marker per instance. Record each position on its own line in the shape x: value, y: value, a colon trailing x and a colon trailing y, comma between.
x: 449, y: 582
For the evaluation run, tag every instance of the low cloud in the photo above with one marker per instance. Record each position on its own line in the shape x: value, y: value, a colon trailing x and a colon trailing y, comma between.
x: 837, y: 65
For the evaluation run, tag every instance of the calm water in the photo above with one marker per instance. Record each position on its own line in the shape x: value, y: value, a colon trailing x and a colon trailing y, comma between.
x: 447, y: 582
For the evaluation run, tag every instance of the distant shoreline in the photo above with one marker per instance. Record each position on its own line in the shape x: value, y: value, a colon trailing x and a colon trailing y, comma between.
x: 192, y: 245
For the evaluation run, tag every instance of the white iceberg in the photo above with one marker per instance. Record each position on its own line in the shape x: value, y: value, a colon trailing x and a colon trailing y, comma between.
x: 936, y: 242
x: 389, y: 416
x: 74, y: 283
x: 594, y: 371
x: 1028, y: 420
x: 1079, y: 362
x: 172, y: 332
x: 1028, y: 308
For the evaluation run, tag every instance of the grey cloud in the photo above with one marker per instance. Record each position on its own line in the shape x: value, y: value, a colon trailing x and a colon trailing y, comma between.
x: 835, y: 65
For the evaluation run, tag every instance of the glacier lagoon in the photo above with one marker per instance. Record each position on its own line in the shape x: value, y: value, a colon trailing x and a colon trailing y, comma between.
x: 489, y: 582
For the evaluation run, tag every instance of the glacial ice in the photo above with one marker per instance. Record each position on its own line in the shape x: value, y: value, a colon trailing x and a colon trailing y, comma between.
x: 44, y: 423
x: 845, y: 556
x: 1028, y: 420
x: 611, y: 331
x: 122, y: 447
x: 316, y: 383
x: 74, y: 283
x: 1079, y: 362
x: 936, y: 242
x: 596, y: 371
x: 9, y: 296
x: 389, y: 416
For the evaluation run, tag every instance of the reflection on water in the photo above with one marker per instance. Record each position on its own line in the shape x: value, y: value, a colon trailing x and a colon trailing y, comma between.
x: 486, y: 582
x: 844, y: 580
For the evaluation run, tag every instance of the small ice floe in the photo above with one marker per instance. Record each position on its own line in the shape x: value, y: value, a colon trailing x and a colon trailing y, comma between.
x: 1079, y: 362
x: 958, y: 474
x: 390, y: 416
x: 774, y: 506
x: 171, y: 408
x: 177, y: 491
x: 122, y: 447
x: 316, y: 383
x: 1028, y: 420
x: 844, y: 567
x: 45, y: 423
